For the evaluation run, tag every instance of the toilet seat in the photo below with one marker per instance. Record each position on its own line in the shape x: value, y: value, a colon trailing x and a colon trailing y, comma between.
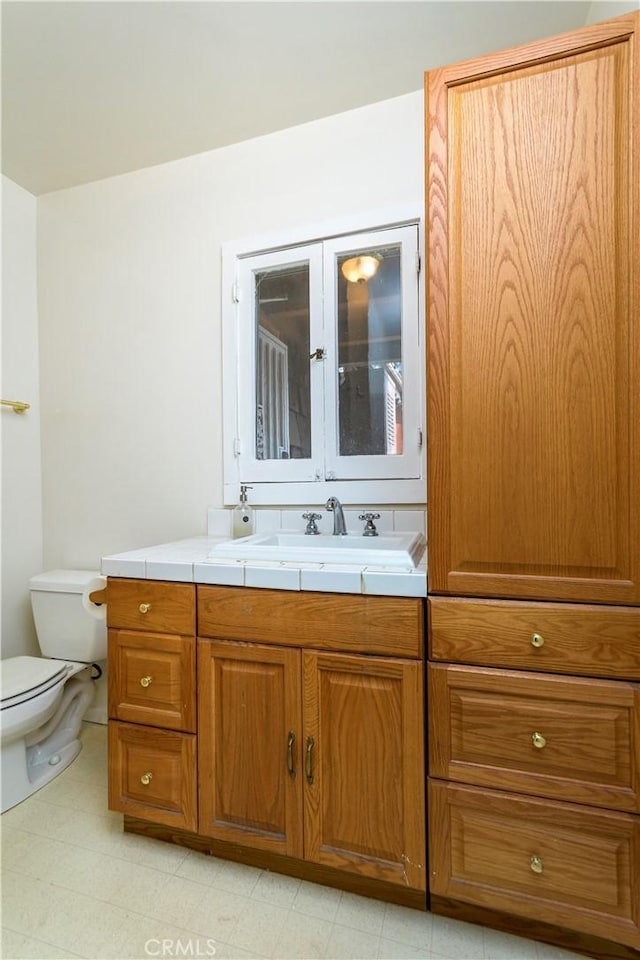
x: 24, y: 678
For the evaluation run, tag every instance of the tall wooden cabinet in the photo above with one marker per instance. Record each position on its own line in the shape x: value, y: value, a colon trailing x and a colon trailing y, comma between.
x: 533, y: 219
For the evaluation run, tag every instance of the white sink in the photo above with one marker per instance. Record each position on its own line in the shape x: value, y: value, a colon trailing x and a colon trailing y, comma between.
x: 402, y: 550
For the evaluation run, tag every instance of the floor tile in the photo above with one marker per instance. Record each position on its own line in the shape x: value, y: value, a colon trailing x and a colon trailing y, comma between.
x: 226, y: 951
x: 15, y: 946
x: 392, y: 950
x: 178, y: 901
x: 200, y: 867
x: 259, y: 928
x: 303, y: 936
x: 90, y: 797
x: 457, y: 940
x: 361, y: 913
x: 166, y: 857
x: 35, y: 816
x: 402, y: 924
x: 234, y: 877
x: 504, y: 946
x: 346, y: 943
x: 143, y: 938
x: 276, y: 888
x: 218, y: 913
x: 314, y: 900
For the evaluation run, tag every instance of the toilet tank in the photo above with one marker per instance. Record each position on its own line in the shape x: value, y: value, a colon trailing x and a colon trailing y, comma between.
x: 69, y: 626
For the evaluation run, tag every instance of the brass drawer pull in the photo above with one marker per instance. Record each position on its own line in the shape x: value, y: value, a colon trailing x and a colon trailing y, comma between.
x: 146, y: 681
x: 146, y: 779
x: 290, y: 742
x: 537, y: 641
x: 538, y: 740
x: 144, y: 607
x: 308, y: 760
x: 536, y: 864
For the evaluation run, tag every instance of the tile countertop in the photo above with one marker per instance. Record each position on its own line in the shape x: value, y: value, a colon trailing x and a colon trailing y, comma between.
x: 187, y: 561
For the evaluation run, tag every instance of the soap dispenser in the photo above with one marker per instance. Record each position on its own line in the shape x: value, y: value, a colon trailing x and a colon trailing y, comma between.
x: 243, y: 515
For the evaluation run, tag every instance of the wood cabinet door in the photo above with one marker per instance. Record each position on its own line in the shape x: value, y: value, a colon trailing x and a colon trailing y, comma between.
x: 533, y: 217
x: 364, y: 766
x: 249, y: 745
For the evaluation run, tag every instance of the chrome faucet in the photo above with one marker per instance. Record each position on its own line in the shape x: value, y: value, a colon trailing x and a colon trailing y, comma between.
x: 339, y: 528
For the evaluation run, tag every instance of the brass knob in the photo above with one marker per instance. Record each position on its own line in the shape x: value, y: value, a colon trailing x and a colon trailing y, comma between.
x: 144, y: 607
x: 538, y: 740
x: 536, y: 864
x: 146, y: 681
x: 146, y: 779
x: 537, y: 641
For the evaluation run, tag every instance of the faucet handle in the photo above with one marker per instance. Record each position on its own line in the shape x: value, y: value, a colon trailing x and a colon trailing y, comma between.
x: 370, y: 527
x: 312, y: 526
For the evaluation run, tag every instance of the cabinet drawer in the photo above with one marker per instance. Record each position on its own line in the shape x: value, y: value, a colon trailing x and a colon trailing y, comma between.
x: 390, y: 626
x: 572, y: 739
x: 152, y: 679
x: 152, y: 605
x: 152, y: 774
x: 574, y: 866
x: 589, y: 640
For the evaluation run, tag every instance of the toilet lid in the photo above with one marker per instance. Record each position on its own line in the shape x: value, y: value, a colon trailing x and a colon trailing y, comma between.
x: 24, y: 677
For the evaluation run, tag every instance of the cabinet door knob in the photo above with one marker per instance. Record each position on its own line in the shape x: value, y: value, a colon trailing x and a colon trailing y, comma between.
x: 537, y: 641
x: 538, y: 740
x: 536, y: 864
x: 144, y: 607
x: 146, y: 681
x: 146, y: 779
x: 308, y: 760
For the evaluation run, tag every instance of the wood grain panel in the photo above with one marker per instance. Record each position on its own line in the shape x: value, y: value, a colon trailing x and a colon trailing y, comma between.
x: 152, y: 679
x: 559, y: 737
x: 392, y: 626
x: 575, y: 866
x: 166, y: 761
x: 171, y: 606
x: 364, y: 807
x: 583, y: 639
x: 534, y: 483
x: 249, y: 704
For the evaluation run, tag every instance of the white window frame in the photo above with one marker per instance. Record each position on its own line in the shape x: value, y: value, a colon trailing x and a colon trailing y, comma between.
x: 304, y: 487
x: 383, y: 466
x: 274, y: 471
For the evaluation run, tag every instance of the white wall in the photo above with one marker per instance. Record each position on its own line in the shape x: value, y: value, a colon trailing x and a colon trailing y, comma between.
x: 20, y: 433
x: 607, y: 9
x: 130, y: 334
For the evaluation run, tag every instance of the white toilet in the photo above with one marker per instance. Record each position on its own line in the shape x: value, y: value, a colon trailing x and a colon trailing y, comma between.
x: 44, y: 699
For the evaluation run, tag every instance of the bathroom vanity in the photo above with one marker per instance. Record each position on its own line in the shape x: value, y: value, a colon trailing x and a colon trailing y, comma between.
x: 282, y: 728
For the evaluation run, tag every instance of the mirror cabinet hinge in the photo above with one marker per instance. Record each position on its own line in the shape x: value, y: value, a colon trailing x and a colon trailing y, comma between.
x: 235, y: 292
x: 420, y: 436
x: 237, y: 447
